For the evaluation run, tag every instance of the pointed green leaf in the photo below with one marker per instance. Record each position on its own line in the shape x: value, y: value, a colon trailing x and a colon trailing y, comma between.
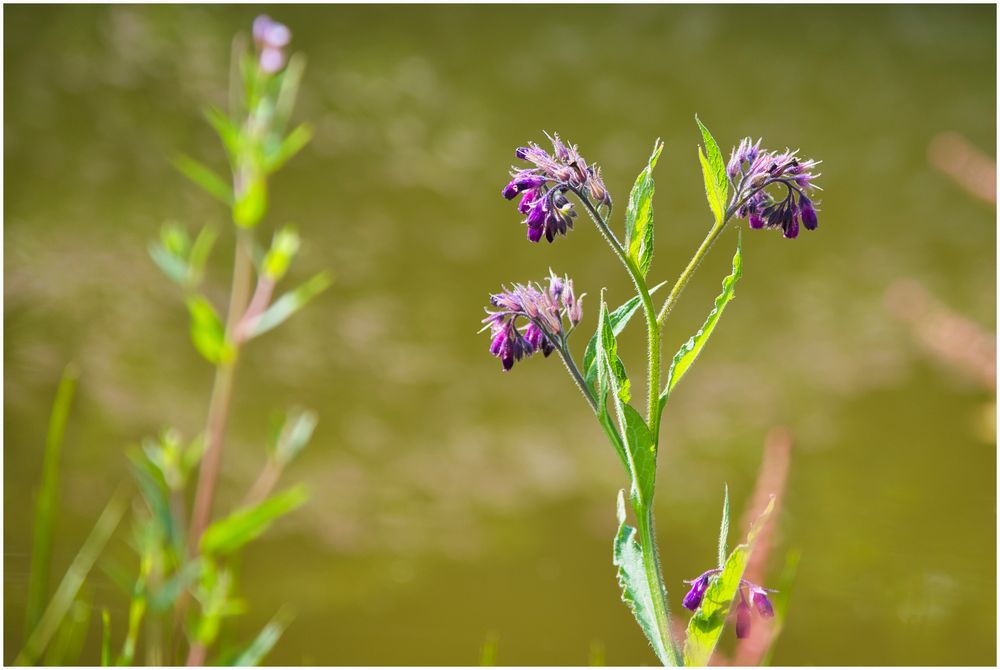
x: 203, y: 176
x: 713, y: 168
x: 724, y: 530
x: 616, y: 378
x: 619, y: 319
x: 251, y: 203
x: 627, y: 558
x: 689, y: 351
x: 228, y: 131
x: 207, y: 332
x: 639, y: 215
x: 642, y: 452
x: 229, y: 534
x: 288, y: 304
x: 265, y: 640
x: 706, y: 625
x: 199, y: 254
x: 291, y: 145
x: 284, y: 246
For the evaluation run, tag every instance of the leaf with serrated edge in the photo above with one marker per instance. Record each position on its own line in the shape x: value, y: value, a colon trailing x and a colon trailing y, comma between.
x: 724, y: 529
x: 713, y: 168
x: 690, y: 350
x: 627, y: 558
x: 706, y: 625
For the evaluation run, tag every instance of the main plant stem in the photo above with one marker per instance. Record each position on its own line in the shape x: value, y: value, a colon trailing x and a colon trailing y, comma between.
x: 222, y: 392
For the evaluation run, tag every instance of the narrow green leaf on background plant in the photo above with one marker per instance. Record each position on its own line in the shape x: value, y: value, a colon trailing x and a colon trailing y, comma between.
x: 65, y: 648
x: 229, y: 534
x: 291, y: 145
x: 168, y: 593
x: 227, y: 131
x: 200, y: 250
x: 77, y: 572
x: 689, y: 351
x: 207, y: 332
x: 284, y: 246
x: 713, y: 168
x: 251, y: 203
x: 291, y: 78
x: 706, y: 625
x: 105, y: 638
x: 724, y: 529
x: 618, y: 319
x: 47, y: 502
x: 627, y: 557
x: 639, y: 215
x: 265, y: 640
x: 289, y: 304
x: 292, y: 436
x: 136, y: 610
x: 204, y: 177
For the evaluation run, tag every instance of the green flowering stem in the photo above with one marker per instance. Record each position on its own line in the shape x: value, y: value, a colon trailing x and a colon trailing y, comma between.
x: 652, y: 325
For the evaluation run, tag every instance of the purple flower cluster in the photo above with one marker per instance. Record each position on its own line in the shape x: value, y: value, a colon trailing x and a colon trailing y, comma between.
x: 752, y: 170
x: 543, y: 187
x: 751, y: 597
x: 543, y: 310
x: 271, y: 38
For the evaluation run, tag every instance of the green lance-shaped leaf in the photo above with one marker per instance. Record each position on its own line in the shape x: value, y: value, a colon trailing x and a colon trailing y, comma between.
x: 284, y: 246
x: 642, y: 454
x: 200, y: 250
x: 611, y: 373
x: 227, y: 131
x: 618, y: 319
x: 706, y: 625
x: 713, y: 168
x: 47, y: 502
x: 291, y: 435
x: 639, y: 215
x: 288, y: 304
x: 265, y: 640
x: 286, y: 150
x: 251, y: 203
x: 724, y: 530
x: 689, y: 351
x: 204, y: 177
x: 229, y: 534
x: 627, y: 558
x: 207, y: 332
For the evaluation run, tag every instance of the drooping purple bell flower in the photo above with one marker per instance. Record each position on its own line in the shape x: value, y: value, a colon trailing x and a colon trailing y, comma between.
x: 692, y: 600
x: 544, y: 313
x: 749, y: 597
x: 753, y: 170
x: 547, y: 211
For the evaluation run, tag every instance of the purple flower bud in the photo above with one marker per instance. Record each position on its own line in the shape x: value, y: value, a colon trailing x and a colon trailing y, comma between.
x: 271, y: 60
x: 759, y: 599
x: 497, y: 345
x: 521, y: 153
x: 699, y: 587
x: 756, y: 223
x: 742, y: 619
x: 809, y: 219
x: 526, y: 200
x: 790, y: 226
x: 535, y: 234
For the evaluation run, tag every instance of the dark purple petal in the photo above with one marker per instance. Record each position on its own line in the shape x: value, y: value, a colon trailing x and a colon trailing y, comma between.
x: 756, y: 223
x: 497, y: 345
x: 809, y: 219
x: 527, y: 199
x: 742, y: 619
x: 697, y: 593
x: 535, y: 234
x: 521, y: 152
x: 761, y: 602
x: 791, y: 226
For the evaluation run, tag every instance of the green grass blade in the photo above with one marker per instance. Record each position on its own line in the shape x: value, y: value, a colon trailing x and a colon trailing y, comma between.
x: 78, y: 570
x: 48, y: 499
x: 105, y: 638
x: 65, y: 648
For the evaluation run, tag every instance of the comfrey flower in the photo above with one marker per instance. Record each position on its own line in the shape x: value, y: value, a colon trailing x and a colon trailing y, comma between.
x: 751, y: 597
x: 752, y: 170
x: 543, y: 311
x: 271, y: 38
x: 543, y: 187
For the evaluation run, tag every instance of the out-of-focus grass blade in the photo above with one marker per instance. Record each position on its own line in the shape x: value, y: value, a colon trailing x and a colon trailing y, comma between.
x: 265, y: 640
x: 78, y: 570
x: 65, y: 649
x: 289, y: 91
x: 105, y: 638
x: 488, y: 653
x: 48, y: 499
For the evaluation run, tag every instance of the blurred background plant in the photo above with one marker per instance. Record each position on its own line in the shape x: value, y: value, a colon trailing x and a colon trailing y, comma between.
x: 421, y: 483
x: 185, y: 590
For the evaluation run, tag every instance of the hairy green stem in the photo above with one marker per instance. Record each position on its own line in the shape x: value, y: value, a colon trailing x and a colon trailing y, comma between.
x: 654, y: 577
x: 685, y: 277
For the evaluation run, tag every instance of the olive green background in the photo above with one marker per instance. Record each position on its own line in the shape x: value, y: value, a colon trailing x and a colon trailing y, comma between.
x: 451, y: 502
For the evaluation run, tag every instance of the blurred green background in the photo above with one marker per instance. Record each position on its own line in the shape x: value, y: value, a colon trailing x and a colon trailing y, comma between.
x: 454, y: 504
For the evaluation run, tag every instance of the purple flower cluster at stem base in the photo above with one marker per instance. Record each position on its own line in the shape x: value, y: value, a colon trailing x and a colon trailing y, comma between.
x: 752, y: 170
x: 543, y: 187
x: 544, y: 313
x: 751, y: 597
